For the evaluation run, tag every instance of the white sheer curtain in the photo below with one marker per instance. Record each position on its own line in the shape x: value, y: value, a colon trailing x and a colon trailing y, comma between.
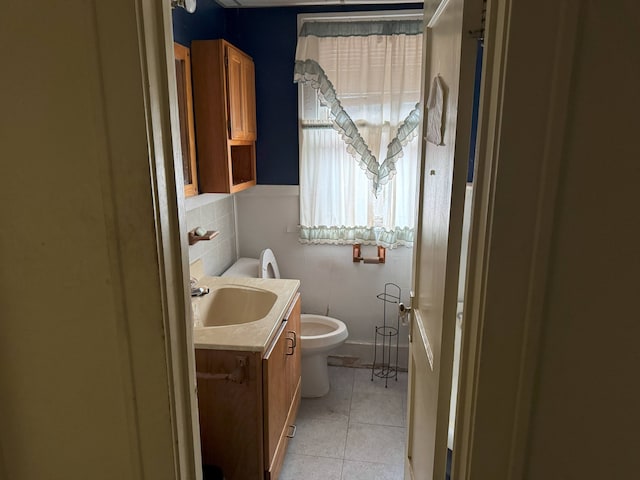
x: 360, y: 112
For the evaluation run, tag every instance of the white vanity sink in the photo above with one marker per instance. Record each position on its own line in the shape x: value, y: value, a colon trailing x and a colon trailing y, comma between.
x: 234, y: 305
x: 240, y: 313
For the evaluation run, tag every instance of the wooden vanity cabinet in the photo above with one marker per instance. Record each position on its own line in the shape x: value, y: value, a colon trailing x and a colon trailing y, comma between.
x: 248, y: 402
x: 225, y: 112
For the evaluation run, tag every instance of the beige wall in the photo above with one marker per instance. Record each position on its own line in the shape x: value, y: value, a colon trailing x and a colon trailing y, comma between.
x: 554, y: 281
x: 585, y: 419
x: 83, y: 367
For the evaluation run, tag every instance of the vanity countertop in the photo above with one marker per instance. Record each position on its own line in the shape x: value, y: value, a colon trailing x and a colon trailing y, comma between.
x: 253, y: 336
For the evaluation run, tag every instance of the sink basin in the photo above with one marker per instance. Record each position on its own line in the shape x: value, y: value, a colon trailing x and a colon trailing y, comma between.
x: 233, y: 305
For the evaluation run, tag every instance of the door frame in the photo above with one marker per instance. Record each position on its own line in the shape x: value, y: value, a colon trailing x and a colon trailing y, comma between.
x: 511, y: 219
x: 155, y: 46
x: 510, y: 26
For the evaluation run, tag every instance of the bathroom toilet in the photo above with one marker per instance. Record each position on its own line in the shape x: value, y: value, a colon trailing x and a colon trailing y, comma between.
x: 263, y: 267
x: 319, y: 336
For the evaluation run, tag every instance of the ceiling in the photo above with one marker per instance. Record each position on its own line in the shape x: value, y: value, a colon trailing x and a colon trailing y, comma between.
x: 292, y: 3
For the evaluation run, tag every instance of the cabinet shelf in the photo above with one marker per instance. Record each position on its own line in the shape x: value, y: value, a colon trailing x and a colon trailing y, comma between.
x: 242, y: 159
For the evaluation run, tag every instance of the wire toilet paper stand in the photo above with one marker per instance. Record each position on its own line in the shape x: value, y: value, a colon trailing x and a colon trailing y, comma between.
x: 385, y: 342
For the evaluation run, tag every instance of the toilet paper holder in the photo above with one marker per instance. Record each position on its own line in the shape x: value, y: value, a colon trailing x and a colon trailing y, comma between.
x: 357, y: 255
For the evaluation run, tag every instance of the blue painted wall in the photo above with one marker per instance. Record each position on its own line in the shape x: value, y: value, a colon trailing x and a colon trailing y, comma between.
x: 269, y: 36
x: 474, y: 115
x: 207, y: 22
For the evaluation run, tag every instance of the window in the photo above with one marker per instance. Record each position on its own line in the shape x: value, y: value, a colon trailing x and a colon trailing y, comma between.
x: 359, y: 118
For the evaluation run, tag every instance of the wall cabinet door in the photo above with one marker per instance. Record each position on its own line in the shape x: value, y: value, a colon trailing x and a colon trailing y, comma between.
x: 185, y: 115
x: 241, y: 95
x: 249, y: 75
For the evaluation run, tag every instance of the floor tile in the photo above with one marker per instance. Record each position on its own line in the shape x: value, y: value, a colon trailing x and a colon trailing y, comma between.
x: 354, y: 432
x: 363, y: 383
x: 375, y: 443
x: 377, y: 408
x: 299, y: 467
x: 334, y: 405
x: 319, y: 437
x: 371, y: 471
x: 341, y: 377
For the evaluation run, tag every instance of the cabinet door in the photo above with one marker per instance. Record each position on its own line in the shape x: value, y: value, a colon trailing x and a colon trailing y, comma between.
x: 294, y: 365
x: 249, y: 85
x: 185, y: 115
x: 234, y: 92
x: 276, y: 393
x: 241, y: 95
x: 230, y: 412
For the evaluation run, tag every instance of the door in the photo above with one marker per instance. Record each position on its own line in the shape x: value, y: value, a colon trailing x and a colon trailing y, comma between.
x: 450, y: 55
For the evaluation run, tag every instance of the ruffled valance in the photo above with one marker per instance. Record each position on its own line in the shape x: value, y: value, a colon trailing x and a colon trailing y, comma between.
x: 325, y: 235
x: 362, y: 29
x: 310, y: 72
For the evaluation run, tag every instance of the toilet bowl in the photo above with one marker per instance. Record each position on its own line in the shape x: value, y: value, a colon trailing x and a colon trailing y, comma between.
x: 319, y: 336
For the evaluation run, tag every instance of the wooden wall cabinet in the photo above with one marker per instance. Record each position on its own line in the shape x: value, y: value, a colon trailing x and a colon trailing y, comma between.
x: 245, y: 425
x: 185, y: 116
x: 225, y: 112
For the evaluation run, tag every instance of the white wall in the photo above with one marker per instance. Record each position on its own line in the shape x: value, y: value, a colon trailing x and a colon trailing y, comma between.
x: 330, y: 281
x: 213, y: 211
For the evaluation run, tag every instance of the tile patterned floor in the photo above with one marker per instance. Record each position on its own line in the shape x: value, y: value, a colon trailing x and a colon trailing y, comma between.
x: 357, y: 431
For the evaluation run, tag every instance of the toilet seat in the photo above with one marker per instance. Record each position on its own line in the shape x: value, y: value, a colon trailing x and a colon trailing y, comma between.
x: 264, y: 267
x: 268, y: 264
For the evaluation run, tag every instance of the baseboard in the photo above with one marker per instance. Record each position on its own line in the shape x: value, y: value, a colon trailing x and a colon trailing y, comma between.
x: 360, y: 355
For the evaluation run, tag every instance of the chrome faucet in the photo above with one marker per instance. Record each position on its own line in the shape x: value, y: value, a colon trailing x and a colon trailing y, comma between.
x: 197, y: 291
